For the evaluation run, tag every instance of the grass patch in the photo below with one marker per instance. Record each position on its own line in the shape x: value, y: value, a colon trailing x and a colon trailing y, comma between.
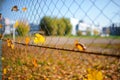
x: 111, y: 37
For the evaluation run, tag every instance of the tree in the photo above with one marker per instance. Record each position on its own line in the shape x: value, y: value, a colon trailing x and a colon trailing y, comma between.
x: 61, y: 27
x: 68, y: 26
x: 79, y: 33
x: 55, y: 26
x: 45, y: 24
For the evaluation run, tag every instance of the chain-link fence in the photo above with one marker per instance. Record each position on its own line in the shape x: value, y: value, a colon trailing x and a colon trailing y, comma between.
x: 63, y: 22
x: 73, y: 26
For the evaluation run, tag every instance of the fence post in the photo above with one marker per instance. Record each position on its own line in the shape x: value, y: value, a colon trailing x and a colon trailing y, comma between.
x: 0, y: 60
x: 13, y: 35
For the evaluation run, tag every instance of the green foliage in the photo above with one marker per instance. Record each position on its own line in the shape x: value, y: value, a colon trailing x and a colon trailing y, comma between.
x: 95, y: 32
x: 61, y: 27
x: 23, y: 28
x: 88, y: 31
x: 55, y: 26
x: 44, y: 24
x: 68, y: 26
x: 79, y: 33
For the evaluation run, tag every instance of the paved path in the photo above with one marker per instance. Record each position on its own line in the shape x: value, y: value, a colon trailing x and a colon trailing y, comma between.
x: 66, y: 40
x: 107, y: 45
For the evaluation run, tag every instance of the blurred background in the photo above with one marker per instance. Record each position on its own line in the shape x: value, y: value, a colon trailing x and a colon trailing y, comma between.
x: 74, y: 19
x: 60, y: 39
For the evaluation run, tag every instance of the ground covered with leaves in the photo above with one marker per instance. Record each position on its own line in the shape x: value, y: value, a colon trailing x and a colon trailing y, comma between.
x: 33, y: 63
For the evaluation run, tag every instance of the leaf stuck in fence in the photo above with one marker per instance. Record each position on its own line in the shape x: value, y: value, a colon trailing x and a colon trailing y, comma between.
x: 80, y: 46
x: 24, y: 9
x: 39, y: 39
x: 27, y: 40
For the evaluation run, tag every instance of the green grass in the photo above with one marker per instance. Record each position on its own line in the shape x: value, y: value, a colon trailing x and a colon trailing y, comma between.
x: 72, y: 36
x: 111, y: 37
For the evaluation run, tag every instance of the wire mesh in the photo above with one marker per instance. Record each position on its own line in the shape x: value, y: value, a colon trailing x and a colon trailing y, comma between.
x: 65, y: 24
x: 88, y: 13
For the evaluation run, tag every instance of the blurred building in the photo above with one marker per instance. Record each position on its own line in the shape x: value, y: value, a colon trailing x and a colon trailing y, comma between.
x: 7, y: 26
x: 115, y: 29
x: 84, y: 28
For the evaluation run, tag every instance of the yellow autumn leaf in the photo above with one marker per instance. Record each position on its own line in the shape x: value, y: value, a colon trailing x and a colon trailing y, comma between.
x: 9, y: 78
x: 79, y: 46
x: 38, y: 39
x: 12, y: 46
x: 4, y: 71
x: 27, y: 40
x: 1, y: 26
x: 94, y: 74
x: 34, y: 62
x: 84, y: 79
x: 38, y: 35
x: 2, y: 58
x: 9, y: 42
x: 30, y: 76
x: 90, y: 77
x: 99, y: 75
x: 24, y: 9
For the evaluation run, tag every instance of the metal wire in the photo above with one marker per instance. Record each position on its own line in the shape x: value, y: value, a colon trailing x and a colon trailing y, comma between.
x: 36, y: 10
x: 71, y: 50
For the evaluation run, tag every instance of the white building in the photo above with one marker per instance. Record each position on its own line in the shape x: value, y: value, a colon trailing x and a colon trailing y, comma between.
x: 7, y: 26
x: 84, y: 27
x: 74, y: 22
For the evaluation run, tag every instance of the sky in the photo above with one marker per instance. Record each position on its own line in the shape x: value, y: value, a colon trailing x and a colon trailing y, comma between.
x: 98, y: 12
